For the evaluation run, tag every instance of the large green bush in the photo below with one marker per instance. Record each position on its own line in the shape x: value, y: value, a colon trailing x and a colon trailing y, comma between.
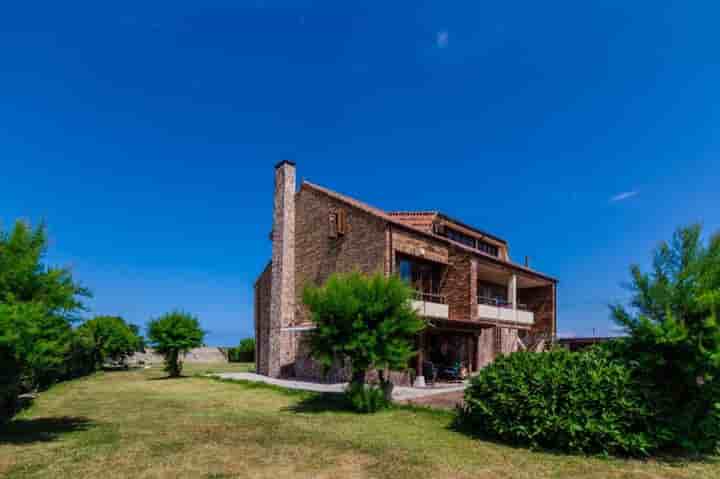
x: 110, y: 337
x: 578, y: 402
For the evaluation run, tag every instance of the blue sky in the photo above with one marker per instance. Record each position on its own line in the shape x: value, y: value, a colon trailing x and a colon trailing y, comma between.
x: 145, y: 135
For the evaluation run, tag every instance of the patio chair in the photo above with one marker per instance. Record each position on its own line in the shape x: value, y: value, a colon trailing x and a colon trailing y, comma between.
x: 451, y: 372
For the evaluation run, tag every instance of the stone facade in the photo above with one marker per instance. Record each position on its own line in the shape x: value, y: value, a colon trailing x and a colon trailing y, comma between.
x: 282, y: 288
x: 262, y: 320
x: 361, y: 248
x: 317, y: 232
x: 459, y: 287
x: 541, y: 300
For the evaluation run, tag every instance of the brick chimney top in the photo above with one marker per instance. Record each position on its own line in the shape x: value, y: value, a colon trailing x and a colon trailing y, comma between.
x: 284, y: 162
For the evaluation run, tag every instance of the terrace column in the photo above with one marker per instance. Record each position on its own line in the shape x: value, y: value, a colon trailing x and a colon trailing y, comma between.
x: 419, y: 376
x: 512, y: 294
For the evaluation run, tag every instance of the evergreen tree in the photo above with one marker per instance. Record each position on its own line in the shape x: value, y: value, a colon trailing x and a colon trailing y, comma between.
x: 674, y: 338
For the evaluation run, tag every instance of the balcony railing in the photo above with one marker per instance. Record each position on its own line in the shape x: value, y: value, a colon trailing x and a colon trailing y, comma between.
x: 430, y: 297
x: 499, y: 302
x: 497, y: 309
x: 431, y: 305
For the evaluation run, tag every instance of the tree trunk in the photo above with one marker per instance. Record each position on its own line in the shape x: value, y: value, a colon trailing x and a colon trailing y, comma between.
x: 173, y: 367
x: 386, y: 385
x: 358, y: 376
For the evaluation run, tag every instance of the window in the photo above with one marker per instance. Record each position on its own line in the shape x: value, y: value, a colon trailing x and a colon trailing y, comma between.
x: 487, y: 248
x: 461, y: 238
x: 468, y: 240
x: 423, y: 276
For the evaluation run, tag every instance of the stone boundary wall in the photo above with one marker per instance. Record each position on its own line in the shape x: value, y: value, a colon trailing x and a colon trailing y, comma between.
x: 204, y: 355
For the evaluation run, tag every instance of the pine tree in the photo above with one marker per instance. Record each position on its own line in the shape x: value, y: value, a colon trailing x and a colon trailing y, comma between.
x: 674, y: 337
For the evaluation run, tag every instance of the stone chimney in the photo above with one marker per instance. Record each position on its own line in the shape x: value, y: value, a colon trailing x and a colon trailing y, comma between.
x: 282, y: 295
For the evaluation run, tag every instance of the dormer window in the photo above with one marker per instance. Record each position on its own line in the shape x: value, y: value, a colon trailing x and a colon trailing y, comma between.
x: 468, y: 240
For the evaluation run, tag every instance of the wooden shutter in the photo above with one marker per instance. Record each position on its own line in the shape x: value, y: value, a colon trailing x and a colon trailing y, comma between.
x: 341, y: 222
x: 333, y: 225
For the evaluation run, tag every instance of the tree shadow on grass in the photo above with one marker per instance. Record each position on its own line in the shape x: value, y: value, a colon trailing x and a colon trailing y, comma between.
x: 320, y: 403
x: 26, y: 431
x: 169, y: 378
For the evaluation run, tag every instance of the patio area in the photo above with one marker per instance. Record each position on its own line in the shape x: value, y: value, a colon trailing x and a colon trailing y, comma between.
x: 400, y: 393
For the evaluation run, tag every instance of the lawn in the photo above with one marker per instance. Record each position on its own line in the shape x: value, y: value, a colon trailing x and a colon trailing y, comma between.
x: 137, y: 424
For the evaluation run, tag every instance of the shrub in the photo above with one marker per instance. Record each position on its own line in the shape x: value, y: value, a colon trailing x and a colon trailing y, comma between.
x: 366, y: 319
x: 576, y: 402
x: 174, y: 334
x: 110, y: 337
x: 247, y: 348
x: 244, y: 352
x: 366, y: 398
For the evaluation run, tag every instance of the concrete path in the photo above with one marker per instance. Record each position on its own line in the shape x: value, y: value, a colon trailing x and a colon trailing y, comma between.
x: 400, y: 393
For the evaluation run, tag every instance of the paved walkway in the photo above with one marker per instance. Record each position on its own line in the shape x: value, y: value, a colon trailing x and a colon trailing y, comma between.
x: 400, y: 393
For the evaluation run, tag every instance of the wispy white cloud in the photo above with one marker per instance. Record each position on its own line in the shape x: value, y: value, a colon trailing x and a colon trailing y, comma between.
x: 441, y: 39
x: 623, y: 196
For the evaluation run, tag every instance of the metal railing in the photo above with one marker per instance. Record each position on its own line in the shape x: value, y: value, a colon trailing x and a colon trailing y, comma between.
x: 430, y: 297
x: 500, y: 303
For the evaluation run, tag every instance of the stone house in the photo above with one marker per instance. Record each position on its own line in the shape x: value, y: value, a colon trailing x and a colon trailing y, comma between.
x: 478, y: 302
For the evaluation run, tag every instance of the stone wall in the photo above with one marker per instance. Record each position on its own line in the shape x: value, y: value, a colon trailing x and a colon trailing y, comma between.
x: 486, y: 347
x: 282, y: 288
x: 459, y: 287
x: 507, y: 341
x: 318, y: 255
x: 541, y: 301
x: 419, y: 246
x: 203, y: 355
x: 305, y: 367
x: 263, y: 288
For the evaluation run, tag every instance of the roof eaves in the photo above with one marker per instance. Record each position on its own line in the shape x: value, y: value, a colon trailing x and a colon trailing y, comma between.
x: 381, y: 214
x: 472, y: 228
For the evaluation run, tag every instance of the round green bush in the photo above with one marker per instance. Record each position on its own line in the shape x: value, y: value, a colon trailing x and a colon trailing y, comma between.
x: 570, y: 401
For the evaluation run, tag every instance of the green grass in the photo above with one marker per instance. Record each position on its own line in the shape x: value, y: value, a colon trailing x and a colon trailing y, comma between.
x: 200, y: 369
x: 136, y: 424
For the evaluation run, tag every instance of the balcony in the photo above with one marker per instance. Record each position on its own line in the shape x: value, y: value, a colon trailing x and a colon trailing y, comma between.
x: 493, y: 309
x: 430, y: 305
